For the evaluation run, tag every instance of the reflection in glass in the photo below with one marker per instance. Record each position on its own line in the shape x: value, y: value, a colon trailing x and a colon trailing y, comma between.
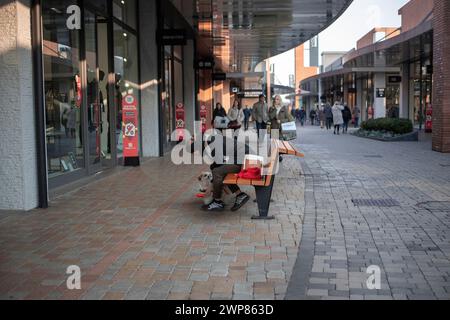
x: 125, y: 11
x: 62, y: 85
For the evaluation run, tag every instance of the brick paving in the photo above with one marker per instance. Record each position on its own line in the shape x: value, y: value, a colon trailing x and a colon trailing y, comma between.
x: 410, y: 243
x: 140, y: 234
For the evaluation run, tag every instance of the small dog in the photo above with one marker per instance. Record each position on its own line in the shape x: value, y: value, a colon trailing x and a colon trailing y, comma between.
x: 206, y: 186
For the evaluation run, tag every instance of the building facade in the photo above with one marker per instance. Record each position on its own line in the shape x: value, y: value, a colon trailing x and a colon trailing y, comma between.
x: 390, y: 73
x: 89, y: 86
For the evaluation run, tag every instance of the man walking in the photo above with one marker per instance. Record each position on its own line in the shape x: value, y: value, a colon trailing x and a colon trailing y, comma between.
x: 328, y: 116
x: 247, y: 115
x: 260, y: 113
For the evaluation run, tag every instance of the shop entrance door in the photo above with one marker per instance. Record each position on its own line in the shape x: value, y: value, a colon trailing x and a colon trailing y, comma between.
x: 97, y: 104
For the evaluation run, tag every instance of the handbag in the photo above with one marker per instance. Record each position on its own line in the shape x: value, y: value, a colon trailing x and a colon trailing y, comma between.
x: 221, y: 122
x: 253, y: 173
x: 289, y: 131
x: 234, y: 125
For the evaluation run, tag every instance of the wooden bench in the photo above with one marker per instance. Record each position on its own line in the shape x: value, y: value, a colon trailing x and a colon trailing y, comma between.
x: 264, y: 186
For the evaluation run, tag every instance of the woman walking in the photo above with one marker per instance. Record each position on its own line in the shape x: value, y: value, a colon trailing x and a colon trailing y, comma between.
x: 236, y: 115
x: 278, y: 114
x: 219, y: 111
x: 337, y: 117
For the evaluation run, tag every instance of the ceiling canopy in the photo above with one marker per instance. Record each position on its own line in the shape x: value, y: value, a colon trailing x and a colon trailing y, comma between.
x: 242, y: 33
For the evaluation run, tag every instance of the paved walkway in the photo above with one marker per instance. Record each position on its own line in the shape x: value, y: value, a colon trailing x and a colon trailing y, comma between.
x: 139, y: 234
x: 409, y: 240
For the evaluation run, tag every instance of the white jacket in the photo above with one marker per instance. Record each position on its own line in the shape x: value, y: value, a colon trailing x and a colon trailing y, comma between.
x: 337, y: 114
x: 234, y: 114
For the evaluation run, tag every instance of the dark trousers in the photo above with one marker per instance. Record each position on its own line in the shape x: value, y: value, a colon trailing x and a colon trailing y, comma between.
x: 345, y: 126
x: 246, y: 124
x: 312, y: 120
x: 261, y: 126
x: 356, y: 122
x: 338, y: 127
x: 219, y: 174
x: 329, y: 121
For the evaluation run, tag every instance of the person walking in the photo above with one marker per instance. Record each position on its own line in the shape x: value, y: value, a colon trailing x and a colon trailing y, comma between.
x: 219, y: 111
x: 279, y: 114
x: 356, y: 115
x: 328, y: 113
x: 302, y: 116
x: 235, y: 115
x: 247, y: 114
x: 260, y: 113
x: 346, y: 116
x: 322, y: 118
x: 312, y: 116
x: 337, y: 117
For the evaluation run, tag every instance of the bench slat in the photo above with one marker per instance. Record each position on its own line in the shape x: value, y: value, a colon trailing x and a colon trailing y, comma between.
x: 231, y: 178
x: 289, y: 148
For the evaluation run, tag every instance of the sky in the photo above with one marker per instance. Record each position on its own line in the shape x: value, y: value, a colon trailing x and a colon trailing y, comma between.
x: 361, y: 17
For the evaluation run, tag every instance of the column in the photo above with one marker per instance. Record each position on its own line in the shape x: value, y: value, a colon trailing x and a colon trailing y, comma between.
x: 379, y: 80
x: 149, y: 79
x: 404, y: 91
x: 441, y: 83
x: 359, y: 97
x: 18, y: 169
x: 189, y: 85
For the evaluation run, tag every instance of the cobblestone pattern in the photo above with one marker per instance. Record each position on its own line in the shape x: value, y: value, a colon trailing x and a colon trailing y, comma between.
x: 140, y: 234
x: 410, y: 243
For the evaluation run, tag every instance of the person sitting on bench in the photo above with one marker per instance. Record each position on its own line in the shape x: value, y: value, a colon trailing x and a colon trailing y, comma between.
x: 221, y: 168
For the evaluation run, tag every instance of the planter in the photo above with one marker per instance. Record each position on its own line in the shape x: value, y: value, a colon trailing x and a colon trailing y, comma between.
x: 387, y: 137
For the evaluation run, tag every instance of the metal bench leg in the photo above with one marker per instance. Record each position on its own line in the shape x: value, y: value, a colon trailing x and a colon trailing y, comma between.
x: 263, y: 195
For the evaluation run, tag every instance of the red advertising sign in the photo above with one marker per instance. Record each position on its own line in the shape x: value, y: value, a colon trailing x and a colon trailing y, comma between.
x: 130, y: 127
x: 429, y: 119
x: 180, y: 121
x: 203, y: 116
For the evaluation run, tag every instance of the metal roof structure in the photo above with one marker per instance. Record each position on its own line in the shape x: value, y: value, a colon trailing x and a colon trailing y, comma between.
x: 242, y: 33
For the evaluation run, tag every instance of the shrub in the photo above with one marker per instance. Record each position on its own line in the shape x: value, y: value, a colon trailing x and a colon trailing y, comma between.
x: 397, y: 126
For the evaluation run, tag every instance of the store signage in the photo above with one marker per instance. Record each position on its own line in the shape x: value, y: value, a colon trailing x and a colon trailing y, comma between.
x: 219, y: 76
x: 203, y: 117
x: 130, y: 127
x: 381, y: 92
x: 429, y: 119
x: 205, y: 64
x: 252, y: 93
x: 394, y: 79
x: 180, y: 121
x: 174, y: 37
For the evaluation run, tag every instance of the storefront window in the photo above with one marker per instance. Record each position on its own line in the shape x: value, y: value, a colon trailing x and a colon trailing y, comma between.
x: 420, y: 90
x: 126, y: 66
x: 125, y: 11
x: 392, y: 97
x: 62, y: 85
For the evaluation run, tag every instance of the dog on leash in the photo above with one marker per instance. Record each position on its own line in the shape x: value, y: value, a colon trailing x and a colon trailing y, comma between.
x: 205, y: 180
